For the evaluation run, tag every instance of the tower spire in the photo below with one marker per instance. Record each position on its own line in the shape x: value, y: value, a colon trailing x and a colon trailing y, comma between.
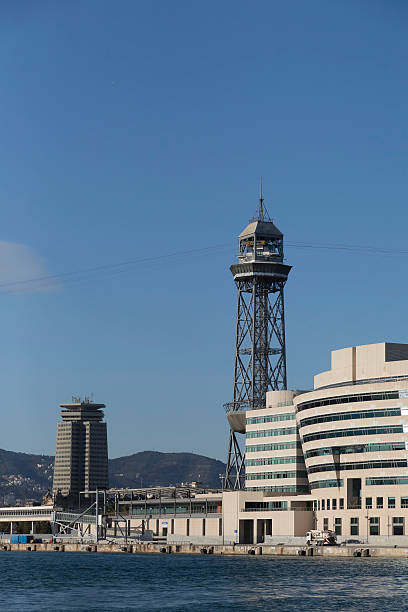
x: 261, y: 213
x: 260, y: 206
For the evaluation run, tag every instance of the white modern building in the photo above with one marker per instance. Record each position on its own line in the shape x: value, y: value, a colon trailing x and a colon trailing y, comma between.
x: 331, y: 458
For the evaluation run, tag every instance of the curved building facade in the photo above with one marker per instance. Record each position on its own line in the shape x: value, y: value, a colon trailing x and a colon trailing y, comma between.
x: 274, y: 458
x: 353, y: 429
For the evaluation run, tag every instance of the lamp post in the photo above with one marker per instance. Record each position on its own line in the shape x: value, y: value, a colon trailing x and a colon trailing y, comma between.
x: 367, y: 517
x: 222, y: 476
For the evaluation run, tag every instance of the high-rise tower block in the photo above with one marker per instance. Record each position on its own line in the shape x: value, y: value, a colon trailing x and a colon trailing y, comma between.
x: 81, y: 458
x: 260, y: 351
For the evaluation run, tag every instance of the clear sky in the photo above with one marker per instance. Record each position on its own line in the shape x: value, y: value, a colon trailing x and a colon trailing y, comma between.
x: 133, y: 130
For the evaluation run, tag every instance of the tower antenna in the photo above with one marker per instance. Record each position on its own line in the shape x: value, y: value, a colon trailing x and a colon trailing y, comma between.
x: 261, y: 213
x: 260, y: 205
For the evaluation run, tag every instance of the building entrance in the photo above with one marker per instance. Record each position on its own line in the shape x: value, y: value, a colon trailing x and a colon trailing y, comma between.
x: 263, y: 528
x: 246, y: 531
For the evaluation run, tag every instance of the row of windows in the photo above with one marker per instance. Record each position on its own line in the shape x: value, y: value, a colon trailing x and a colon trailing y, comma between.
x: 263, y: 433
x: 289, y: 416
x: 373, y: 526
x: 380, y: 502
x: 346, y: 416
x: 386, y: 481
x: 176, y: 509
x: 368, y: 465
x: 274, y: 460
x: 257, y: 448
x: 355, y: 448
x: 268, y: 475
x: 282, y: 489
x: 324, y: 484
x: 327, y: 504
x: 348, y: 399
x: 276, y: 505
x: 340, y: 433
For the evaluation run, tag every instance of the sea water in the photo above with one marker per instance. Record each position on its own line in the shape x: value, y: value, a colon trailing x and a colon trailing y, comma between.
x: 92, y: 581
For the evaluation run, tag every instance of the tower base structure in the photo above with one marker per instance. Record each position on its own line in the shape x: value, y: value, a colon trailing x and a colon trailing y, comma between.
x: 235, y: 472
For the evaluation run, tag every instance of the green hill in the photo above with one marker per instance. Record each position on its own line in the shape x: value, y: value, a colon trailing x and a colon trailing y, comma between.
x: 26, y: 477
x: 150, y: 468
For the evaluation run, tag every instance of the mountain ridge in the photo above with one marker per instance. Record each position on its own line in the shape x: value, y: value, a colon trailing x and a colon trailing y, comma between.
x: 27, y: 476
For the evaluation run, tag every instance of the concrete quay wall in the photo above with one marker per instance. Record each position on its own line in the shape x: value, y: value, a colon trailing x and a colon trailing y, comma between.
x: 237, y: 549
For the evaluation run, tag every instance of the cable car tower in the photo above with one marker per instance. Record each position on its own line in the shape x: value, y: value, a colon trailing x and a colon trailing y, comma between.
x: 260, y: 351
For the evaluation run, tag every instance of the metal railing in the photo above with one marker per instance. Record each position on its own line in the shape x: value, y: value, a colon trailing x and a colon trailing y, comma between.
x: 177, y: 515
x: 70, y: 517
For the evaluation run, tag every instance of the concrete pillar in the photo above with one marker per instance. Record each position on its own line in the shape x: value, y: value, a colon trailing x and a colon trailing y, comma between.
x: 11, y: 527
x: 33, y: 527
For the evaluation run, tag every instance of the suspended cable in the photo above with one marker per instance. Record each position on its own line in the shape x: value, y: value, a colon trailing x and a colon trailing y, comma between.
x: 114, y: 269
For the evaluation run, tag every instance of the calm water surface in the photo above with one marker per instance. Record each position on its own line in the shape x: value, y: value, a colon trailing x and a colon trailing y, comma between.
x: 79, y: 581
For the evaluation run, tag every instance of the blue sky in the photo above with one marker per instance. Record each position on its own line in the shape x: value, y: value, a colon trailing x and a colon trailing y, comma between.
x: 133, y: 130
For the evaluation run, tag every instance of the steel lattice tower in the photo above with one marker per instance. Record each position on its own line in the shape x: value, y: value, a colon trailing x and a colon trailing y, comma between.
x: 260, y: 351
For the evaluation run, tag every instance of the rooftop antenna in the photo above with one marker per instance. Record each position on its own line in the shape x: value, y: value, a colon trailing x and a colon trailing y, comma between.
x: 262, y: 213
x: 260, y: 205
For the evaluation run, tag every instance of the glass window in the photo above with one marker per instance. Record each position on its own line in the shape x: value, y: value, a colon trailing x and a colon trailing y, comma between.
x: 381, y: 482
x: 369, y: 502
x: 188, y: 527
x: 314, y: 505
x: 391, y: 502
x: 345, y: 399
x: 325, y: 524
x: 318, y: 505
x: 220, y: 527
x: 203, y: 527
x: 404, y: 502
x: 323, y: 508
x: 354, y: 526
x: 338, y: 433
x: 341, y: 503
x: 337, y: 526
x: 346, y: 416
x: 328, y: 504
x: 374, y: 526
x: 334, y: 504
x: 380, y: 502
x: 398, y: 525
x: 323, y: 484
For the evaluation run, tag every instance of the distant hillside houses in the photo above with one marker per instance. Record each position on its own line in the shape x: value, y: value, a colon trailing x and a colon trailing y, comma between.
x: 26, y: 478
